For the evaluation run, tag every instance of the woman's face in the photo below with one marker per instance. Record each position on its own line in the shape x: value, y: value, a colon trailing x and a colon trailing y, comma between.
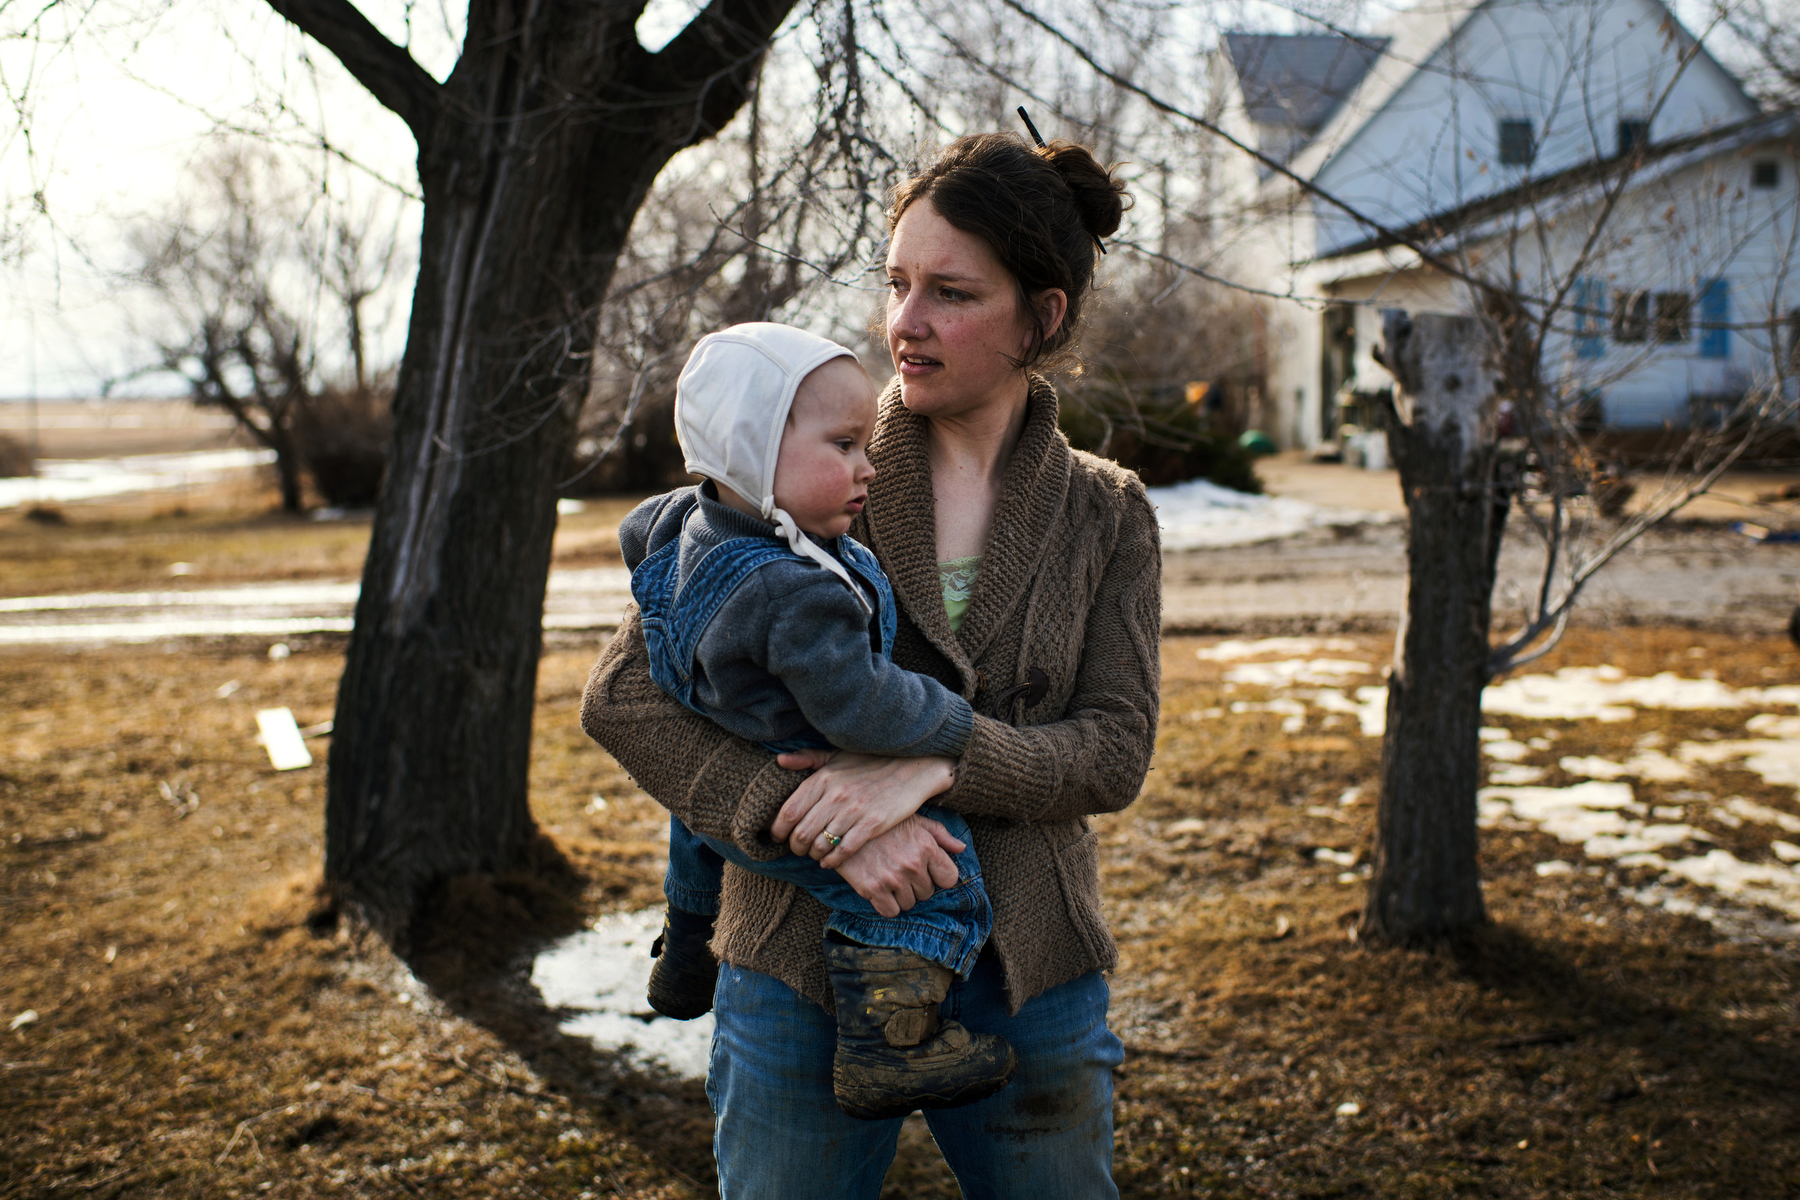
x: 954, y: 322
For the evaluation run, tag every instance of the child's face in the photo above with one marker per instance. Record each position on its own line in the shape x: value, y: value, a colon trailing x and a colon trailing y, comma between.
x: 822, y: 474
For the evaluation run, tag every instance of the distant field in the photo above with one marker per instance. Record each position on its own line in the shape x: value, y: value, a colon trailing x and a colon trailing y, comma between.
x: 100, y: 429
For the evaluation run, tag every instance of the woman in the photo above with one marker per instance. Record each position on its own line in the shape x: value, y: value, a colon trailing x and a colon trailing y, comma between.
x: 991, y: 254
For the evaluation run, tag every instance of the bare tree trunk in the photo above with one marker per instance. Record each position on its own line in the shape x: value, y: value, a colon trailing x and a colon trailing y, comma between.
x: 287, y: 470
x: 529, y: 197
x: 1427, y: 882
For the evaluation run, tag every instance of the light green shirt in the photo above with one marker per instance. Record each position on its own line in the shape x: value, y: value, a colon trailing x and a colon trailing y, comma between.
x: 958, y: 579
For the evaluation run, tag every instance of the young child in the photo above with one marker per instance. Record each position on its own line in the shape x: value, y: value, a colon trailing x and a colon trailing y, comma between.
x: 761, y: 614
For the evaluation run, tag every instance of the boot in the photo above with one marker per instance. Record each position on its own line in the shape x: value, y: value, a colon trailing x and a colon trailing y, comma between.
x: 894, y: 1053
x: 685, y: 974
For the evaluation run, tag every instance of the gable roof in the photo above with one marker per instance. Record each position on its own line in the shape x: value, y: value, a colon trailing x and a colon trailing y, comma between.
x: 1408, y: 41
x: 1298, y: 81
x: 1474, y: 219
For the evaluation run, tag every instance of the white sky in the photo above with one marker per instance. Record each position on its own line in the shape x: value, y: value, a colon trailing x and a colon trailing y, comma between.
x: 121, y: 108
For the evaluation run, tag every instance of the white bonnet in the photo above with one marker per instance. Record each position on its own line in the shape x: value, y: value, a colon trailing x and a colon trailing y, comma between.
x: 731, y: 406
x: 732, y: 402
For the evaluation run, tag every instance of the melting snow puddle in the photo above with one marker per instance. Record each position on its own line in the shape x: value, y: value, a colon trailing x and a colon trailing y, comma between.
x: 598, y: 976
x: 1197, y: 514
x: 1604, y: 819
x: 1602, y: 815
x: 1608, y: 694
x: 64, y: 480
x: 580, y: 599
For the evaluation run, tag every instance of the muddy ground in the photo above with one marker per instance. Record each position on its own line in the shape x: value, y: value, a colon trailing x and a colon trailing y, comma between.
x: 189, y: 1019
x: 204, y: 1027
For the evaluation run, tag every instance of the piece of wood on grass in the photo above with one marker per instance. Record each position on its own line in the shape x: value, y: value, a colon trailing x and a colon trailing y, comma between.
x: 280, y: 736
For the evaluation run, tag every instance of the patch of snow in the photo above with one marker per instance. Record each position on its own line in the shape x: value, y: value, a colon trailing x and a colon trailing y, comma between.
x: 1297, y: 671
x: 1234, y: 650
x: 1652, y: 765
x: 1281, y: 704
x: 577, y: 599
x: 1369, y: 708
x: 1200, y: 514
x: 62, y: 480
x: 1750, y: 810
x: 153, y: 631
x: 1593, y: 816
x: 1758, y: 883
x: 1578, y: 815
x: 599, y: 976
x: 1555, y: 866
x: 1608, y: 694
x: 1771, y: 726
x: 1493, y: 733
x: 279, y: 595
x: 1505, y: 750
x: 1776, y: 762
x: 1513, y: 774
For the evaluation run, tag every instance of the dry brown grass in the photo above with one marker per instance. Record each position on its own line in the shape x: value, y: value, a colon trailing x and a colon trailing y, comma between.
x: 205, y: 1028
x: 130, y: 544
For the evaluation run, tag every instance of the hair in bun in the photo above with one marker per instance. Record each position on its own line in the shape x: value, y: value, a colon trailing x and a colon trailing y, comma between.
x: 1042, y: 210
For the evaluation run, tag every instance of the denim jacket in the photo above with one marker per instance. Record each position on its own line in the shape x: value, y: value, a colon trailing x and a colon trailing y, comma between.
x: 763, y: 641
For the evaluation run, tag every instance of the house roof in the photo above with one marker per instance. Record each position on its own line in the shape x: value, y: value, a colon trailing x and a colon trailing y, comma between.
x: 1405, y: 45
x: 1407, y: 41
x: 1298, y: 80
x: 1470, y: 221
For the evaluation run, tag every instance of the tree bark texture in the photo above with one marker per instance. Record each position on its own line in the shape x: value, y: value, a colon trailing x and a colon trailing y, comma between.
x: 533, y: 159
x: 1441, y: 435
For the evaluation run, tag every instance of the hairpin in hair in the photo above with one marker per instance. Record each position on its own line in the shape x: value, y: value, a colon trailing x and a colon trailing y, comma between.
x: 1039, y: 139
x: 1035, y: 135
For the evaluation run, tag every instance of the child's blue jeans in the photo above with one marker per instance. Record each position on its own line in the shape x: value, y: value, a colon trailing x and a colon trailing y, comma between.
x: 950, y: 928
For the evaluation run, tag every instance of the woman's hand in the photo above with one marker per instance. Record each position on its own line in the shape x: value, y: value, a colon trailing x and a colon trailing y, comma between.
x: 857, y: 797
x: 903, y: 866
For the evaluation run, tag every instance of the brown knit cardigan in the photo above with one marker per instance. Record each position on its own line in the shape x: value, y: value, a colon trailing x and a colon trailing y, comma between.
x: 1071, y: 584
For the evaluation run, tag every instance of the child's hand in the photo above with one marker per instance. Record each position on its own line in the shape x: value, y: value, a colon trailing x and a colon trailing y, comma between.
x: 856, y: 797
x: 804, y: 760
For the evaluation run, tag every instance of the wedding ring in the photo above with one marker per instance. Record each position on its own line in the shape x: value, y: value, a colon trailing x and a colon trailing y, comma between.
x: 833, y: 838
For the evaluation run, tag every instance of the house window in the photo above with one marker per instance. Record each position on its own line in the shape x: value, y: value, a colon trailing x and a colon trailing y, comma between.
x: 1715, y: 319
x: 1634, y: 135
x: 1590, y: 317
x: 1516, y: 147
x: 1673, y: 313
x: 1631, y: 316
x: 1765, y: 173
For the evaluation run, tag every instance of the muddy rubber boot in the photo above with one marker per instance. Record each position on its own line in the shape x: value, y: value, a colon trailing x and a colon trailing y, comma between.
x: 894, y: 1053
x: 685, y: 974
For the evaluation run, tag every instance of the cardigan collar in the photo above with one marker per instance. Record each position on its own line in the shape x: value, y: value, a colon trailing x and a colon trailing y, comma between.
x: 902, y: 523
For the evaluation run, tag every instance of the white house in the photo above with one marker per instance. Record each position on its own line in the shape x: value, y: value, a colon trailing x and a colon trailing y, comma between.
x: 1590, y: 152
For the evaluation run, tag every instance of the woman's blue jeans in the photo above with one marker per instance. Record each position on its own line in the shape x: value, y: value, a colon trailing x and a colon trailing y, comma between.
x: 950, y: 928
x: 781, y: 1136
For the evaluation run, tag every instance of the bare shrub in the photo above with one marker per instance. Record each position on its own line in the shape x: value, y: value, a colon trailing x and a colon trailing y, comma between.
x: 342, y: 437
x: 15, y: 459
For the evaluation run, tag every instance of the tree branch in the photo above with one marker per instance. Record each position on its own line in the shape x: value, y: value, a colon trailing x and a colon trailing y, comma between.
x: 392, y: 76
x: 1426, y: 256
x: 710, y: 63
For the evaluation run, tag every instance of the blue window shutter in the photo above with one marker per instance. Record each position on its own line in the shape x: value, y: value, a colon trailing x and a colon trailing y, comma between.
x: 1715, y: 319
x: 1590, y: 317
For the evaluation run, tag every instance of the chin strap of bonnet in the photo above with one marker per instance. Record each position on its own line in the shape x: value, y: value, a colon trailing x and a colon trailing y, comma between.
x: 804, y: 546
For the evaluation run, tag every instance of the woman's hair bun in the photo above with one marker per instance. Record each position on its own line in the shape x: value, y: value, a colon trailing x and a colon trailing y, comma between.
x: 1042, y: 210
x: 1100, y: 198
